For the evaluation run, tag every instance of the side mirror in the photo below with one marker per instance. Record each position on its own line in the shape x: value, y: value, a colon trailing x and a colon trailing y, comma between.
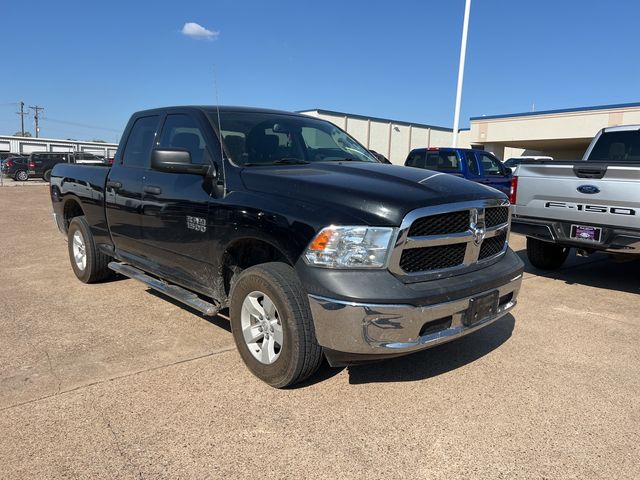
x: 508, y: 171
x: 173, y: 160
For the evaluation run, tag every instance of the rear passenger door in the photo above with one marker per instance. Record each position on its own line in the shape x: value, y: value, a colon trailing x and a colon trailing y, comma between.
x: 175, y: 226
x: 494, y: 174
x: 123, y: 196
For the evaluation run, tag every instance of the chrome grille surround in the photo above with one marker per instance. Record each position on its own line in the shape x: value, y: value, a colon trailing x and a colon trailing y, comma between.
x: 474, y: 237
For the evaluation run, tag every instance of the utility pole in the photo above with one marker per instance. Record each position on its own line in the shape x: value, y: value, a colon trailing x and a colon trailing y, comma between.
x: 463, y: 52
x: 22, y: 115
x: 36, y: 109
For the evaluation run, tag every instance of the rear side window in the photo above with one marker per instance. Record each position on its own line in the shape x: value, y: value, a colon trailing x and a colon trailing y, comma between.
x: 416, y: 159
x: 443, y: 161
x: 136, y: 152
x: 617, y: 147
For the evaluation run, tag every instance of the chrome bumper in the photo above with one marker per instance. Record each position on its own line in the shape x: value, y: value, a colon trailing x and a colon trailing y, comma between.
x: 394, y: 329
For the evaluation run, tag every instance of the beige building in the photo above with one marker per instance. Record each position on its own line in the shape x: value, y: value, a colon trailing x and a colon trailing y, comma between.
x: 562, y: 134
x: 392, y: 138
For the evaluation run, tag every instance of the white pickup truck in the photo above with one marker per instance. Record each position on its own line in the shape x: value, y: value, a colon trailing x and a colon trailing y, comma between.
x: 592, y: 204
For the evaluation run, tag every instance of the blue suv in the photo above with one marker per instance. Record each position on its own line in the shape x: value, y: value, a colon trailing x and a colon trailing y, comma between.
x: 475, y: 165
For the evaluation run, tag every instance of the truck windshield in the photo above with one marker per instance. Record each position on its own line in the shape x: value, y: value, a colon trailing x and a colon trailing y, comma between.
x: 622, y: 146
x: 253, y: 138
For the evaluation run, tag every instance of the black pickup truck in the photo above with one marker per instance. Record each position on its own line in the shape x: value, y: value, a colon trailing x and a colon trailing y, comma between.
x: 315, y: 247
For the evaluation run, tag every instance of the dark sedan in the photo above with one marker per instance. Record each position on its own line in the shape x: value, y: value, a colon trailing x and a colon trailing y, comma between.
x: 16, y: 167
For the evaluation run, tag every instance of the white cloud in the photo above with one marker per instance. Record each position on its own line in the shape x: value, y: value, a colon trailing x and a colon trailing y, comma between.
x: 195, y: 30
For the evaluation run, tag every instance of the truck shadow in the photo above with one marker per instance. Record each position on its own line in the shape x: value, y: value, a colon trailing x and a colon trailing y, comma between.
x: 597, y: 270
x: 438, y: 360
x: 220, y: 320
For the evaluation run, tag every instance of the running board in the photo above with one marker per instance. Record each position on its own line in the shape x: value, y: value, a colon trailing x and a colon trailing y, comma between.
x: 178, y: 293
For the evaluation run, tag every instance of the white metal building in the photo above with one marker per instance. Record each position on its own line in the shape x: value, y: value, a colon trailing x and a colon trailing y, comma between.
x: 28, y: 145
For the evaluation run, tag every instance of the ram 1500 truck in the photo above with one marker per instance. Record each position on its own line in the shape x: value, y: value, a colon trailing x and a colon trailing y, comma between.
x: 592, y: 204
x: 315, y: 247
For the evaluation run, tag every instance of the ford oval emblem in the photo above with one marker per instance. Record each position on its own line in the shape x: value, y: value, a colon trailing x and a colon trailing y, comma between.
x: 588, y: 189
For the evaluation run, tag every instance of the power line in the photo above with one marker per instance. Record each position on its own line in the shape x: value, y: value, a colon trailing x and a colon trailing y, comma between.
x: 83, y: 125
x: 36, y: 116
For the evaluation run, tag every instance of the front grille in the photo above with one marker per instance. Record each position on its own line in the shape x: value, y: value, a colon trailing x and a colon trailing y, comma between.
x: 432, y: 258
x: 496, y: 216
x: 441, y: 224
x: 433, y: 244
x: 492, y: 246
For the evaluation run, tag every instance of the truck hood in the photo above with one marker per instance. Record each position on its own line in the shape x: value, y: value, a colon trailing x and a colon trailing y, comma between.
x: 378, y: 194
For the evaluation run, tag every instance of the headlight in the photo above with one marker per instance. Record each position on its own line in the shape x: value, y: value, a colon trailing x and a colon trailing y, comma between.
x: 350, y: 247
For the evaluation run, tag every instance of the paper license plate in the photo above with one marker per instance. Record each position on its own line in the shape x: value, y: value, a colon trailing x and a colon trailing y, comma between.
x: 586, y: 232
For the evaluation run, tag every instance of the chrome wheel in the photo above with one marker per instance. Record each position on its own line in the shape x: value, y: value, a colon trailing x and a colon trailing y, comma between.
x: 261, y: 327
x: 22, y: 176
x: 79, y: 251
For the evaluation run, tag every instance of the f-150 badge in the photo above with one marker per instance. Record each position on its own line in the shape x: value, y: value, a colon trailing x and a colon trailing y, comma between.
x: 196, y: 223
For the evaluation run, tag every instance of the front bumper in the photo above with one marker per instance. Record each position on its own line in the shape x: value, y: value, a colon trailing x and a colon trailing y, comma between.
x: 614, y: 239
x: 380, y: 330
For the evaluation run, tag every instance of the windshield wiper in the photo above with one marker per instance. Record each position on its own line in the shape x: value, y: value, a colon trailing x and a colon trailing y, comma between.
x: 290, y: 161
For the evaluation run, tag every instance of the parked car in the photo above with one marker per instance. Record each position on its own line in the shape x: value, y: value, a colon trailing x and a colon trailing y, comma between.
x: 380, y: 157
x: 591, y: 204
x: 5, y: 155
x: 475, y: 165
x: 41, y: 163
x: 513, y: 162
x: 16, y: 167
x: 316, y: 248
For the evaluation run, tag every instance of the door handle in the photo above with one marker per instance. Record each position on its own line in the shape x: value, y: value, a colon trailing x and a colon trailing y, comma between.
x: 152, y: 190
x: 114, y: 185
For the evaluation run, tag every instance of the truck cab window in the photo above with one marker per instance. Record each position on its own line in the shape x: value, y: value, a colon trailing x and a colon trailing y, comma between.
x: 417, y: 159
x: 182, y: 131
x: 443, y: 162
x: 138, y: 147
x: 491, y: 165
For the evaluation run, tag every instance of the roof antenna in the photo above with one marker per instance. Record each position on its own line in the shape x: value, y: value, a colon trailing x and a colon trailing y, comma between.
x: 215, y: 86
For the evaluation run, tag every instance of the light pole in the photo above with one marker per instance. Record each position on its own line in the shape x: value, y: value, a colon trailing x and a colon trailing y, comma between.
x: 463, y: 52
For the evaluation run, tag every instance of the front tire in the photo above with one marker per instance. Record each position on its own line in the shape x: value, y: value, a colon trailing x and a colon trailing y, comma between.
x: 87, y: 262
x: 47, y: 176
x: 21, y: 176
x: 545, y: 255
x: 272, y: 325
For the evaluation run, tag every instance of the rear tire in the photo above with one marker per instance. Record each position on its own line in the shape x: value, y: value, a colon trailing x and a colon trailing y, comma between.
x: 87, y: 262
x: 545, y: 255
x: 270, y: 298
x: 21, y: 176
x: 47, y: 176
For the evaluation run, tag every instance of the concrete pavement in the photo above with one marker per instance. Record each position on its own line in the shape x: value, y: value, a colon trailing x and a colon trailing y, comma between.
x: 113, y: 381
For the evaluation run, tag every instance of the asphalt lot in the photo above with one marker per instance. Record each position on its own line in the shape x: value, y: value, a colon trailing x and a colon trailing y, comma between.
x: 113, y: 381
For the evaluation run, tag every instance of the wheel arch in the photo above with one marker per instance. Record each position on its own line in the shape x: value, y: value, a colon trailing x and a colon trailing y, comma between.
x: 71, y: 208
x: 247, y: 252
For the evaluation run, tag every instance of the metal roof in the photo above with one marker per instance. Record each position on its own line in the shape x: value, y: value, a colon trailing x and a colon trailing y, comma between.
x: 562, y: 110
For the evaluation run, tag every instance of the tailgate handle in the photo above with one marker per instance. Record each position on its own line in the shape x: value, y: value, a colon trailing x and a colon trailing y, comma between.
x: 114, y: 185
x: 592, y: 171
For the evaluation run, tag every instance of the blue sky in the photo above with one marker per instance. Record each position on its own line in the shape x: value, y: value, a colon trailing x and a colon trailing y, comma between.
x: 91, y: 64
